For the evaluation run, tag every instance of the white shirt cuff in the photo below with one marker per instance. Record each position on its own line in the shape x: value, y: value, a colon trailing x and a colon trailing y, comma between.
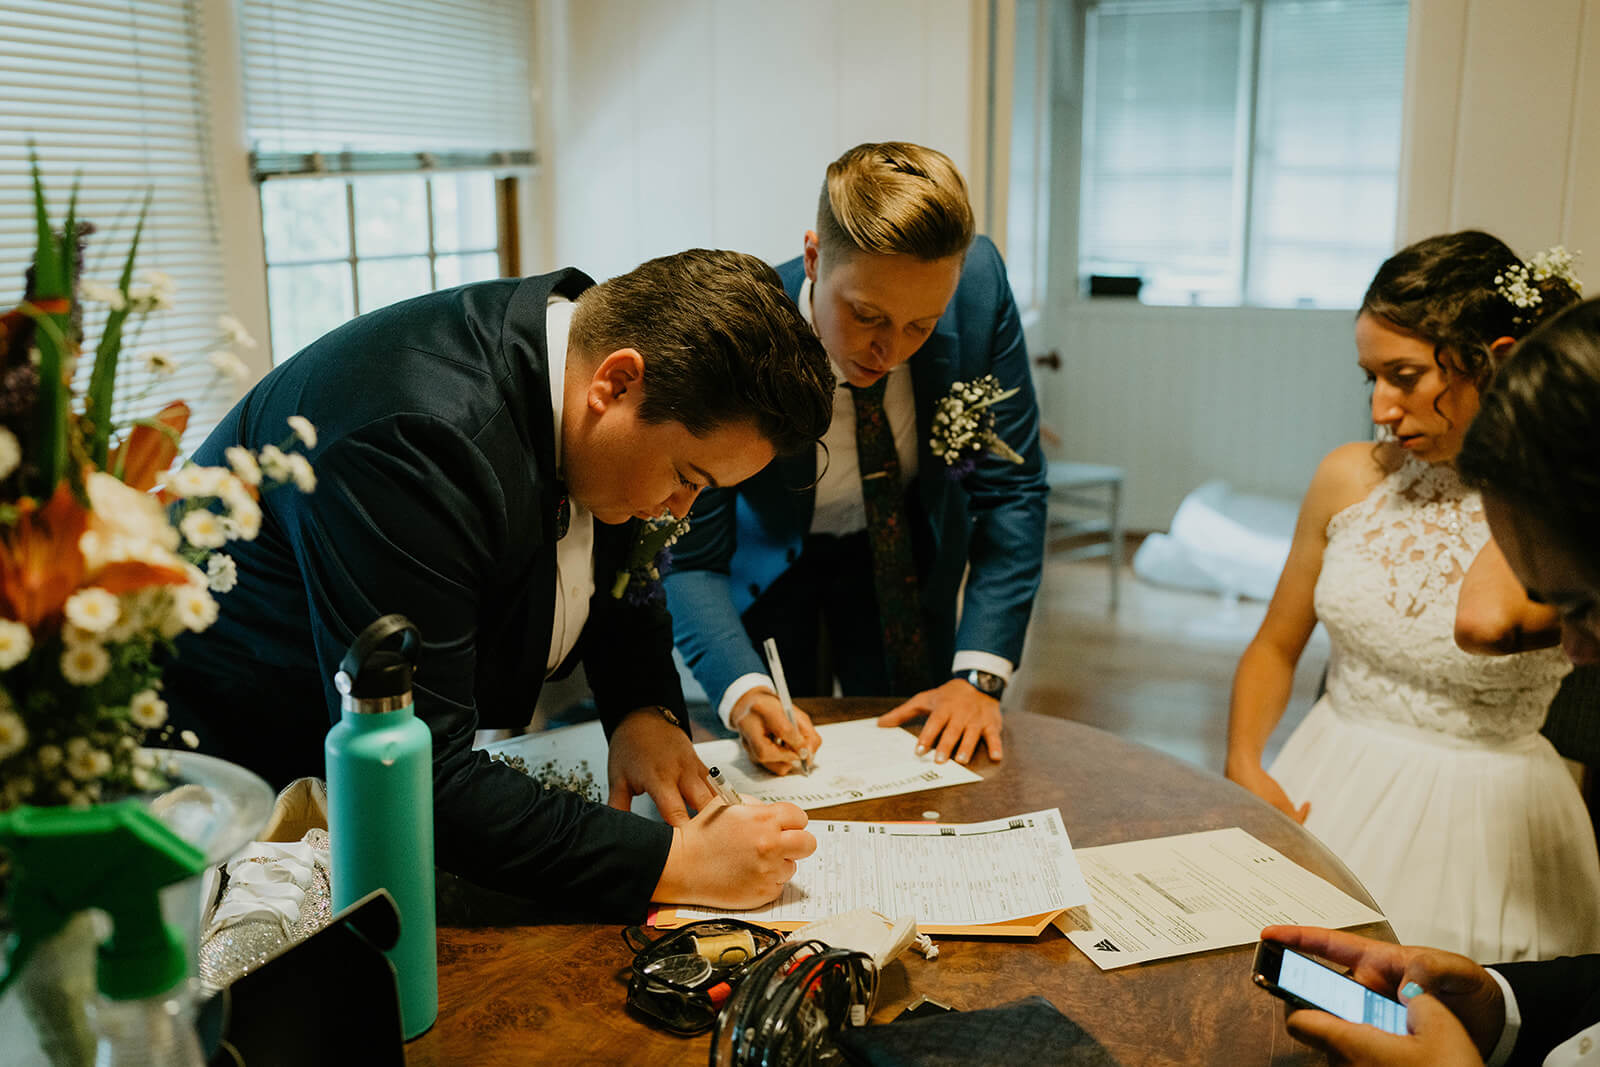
x: 738, y: 688
x: 1508, y: 1036
x: 982, y: 661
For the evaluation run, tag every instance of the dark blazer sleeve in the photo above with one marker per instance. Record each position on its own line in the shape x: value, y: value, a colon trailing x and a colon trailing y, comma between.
x: 1557, y: 998
x: 409, y: 516
x: 1006, y: 501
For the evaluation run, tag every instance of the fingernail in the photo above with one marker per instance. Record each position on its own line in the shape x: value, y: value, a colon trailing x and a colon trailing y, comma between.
x: 962, y: 759
x: 922, y: 750
x: 1410, y: 989
x: 940, y: 758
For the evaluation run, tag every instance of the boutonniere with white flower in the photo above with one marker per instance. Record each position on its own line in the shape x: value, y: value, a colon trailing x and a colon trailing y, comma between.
x: 651, y: 557
x: 963, y: 425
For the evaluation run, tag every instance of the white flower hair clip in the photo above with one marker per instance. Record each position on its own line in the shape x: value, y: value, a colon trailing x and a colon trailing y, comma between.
x: 1517, y: 282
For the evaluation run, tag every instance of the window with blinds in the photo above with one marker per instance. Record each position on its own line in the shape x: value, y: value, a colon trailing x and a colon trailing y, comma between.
x: 110, y: 93
x: 387, y: 134
x: 1242, y: 151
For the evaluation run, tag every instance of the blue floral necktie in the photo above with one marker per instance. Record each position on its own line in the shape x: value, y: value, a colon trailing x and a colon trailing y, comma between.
x: 894, y: 573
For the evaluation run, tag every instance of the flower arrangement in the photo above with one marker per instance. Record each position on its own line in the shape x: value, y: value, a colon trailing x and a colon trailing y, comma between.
x: 1517, y: 283
x: 100, y: 570
x: 963, y: 426
x: 640, y: 580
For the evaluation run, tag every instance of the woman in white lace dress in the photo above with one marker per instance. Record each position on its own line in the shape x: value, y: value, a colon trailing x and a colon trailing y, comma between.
x: 1422, y: 766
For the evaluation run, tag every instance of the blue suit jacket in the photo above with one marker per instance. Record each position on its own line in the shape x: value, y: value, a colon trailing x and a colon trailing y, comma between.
x: 743, y: 537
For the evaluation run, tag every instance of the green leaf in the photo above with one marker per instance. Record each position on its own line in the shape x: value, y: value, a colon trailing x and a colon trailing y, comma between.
x: 103, y: 379
x: 50, y: 279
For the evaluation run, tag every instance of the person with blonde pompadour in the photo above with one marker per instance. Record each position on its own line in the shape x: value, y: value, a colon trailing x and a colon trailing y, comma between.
x: 861, y: 546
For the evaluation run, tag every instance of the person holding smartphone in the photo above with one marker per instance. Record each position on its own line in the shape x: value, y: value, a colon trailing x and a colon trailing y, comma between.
x: 1534, y: 453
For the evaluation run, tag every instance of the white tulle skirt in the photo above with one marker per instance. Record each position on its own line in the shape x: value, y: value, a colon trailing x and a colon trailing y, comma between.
x: 1486, y: 851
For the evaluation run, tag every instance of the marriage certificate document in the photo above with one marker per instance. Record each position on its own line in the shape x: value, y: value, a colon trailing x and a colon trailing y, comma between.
x: 1171, y: 896
x: 1006, y: 876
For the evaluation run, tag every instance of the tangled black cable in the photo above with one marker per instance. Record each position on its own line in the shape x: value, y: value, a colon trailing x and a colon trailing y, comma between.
x: 792, y: 1003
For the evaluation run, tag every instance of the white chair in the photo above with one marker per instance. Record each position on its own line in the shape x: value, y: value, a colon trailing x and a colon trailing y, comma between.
x: 1085, y: 501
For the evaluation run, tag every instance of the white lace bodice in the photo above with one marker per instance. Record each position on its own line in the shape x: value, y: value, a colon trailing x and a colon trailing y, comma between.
x: 1387, y: 593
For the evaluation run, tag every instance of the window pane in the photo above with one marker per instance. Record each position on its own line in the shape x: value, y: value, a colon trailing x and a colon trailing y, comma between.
x: 384, y: 281
x: 391, y: 215
x: 305, y: 220
x: 465, y: 213
x: 305, y: 303
x: 474, y: 267
x: 1161, y: 128
x: 1327, y: 151
x: 1024, y: 193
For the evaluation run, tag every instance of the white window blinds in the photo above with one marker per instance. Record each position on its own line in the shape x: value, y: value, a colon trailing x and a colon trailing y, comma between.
x: 112, y: 91
x: 445, y: 78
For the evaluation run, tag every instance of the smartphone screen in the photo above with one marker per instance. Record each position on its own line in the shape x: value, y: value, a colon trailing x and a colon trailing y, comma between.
x: 1320, y: 986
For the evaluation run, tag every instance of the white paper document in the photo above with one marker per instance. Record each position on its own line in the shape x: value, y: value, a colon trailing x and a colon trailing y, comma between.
x: 858, y: 760
x: 943, y: 875
x: 1171, y: 896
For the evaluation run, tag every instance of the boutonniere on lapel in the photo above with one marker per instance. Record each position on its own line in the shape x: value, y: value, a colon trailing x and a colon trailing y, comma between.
x: 651, y: 557
x: 963, y: 426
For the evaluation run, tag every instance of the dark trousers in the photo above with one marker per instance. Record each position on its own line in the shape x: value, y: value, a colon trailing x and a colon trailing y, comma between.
x: 824, y: 614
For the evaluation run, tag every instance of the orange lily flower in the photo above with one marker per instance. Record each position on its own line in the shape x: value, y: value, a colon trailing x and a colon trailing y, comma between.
x: 40, y: 562
x: 149, y: 451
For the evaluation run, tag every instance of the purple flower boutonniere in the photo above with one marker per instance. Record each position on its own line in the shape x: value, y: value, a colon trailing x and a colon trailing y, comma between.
x: 963, y: 426
x: 640, y: 580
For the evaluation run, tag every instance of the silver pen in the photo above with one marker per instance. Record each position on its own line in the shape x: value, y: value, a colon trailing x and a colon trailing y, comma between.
x: 775, y: 666
x: 720, y: 784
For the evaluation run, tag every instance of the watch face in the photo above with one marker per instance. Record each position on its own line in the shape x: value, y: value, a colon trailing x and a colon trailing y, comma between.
x: 986, y: 682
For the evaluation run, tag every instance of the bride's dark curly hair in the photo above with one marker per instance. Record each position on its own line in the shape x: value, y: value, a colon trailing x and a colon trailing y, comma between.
x: 1536, y: 439
x: 1443, y: 290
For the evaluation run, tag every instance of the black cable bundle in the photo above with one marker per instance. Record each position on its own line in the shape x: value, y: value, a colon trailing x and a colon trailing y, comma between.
x: 792, y: 1004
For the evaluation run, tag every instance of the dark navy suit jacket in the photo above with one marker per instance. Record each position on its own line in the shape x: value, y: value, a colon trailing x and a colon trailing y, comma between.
x: 436, y: 499
x: 743, y: 537
x: 1557, y: 999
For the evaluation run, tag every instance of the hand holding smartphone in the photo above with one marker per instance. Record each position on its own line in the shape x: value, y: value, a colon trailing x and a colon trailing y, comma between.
x: 1308, y: 983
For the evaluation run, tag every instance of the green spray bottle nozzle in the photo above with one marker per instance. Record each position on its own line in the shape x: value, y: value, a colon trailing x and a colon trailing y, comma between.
x: 115, y: 857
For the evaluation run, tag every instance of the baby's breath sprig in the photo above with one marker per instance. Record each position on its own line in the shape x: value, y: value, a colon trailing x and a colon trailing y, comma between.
x: 963, y: 425
x: 1518, y: 282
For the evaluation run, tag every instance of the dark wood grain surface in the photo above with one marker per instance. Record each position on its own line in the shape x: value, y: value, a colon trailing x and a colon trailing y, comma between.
x: 554, y: 993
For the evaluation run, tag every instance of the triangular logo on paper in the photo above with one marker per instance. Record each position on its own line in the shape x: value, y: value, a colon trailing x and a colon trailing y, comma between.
x: 1105, y: 945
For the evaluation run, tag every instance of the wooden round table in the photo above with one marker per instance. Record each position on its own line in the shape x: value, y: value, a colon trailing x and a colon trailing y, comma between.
x: 554, y: 993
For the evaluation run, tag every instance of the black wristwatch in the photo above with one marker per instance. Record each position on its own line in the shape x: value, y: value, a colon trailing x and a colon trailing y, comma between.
x: 983, y: 682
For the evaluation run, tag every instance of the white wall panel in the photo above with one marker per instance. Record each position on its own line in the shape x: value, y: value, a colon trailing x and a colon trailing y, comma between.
x: 675, y: 123
x: 1179, y: 396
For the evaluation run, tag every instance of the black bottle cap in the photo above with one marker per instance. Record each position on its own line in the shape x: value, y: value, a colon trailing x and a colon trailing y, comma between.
x: 375, y: 668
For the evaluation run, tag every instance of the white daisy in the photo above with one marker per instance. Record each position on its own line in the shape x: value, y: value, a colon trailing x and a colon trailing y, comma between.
x: 10, y: 452
x: 244, y: 464
x: 84, y: 664
x: 193, y: 606
x: 222, y: 573
x: 49, y: 757
x: 13, y: 733
x: 101, y: 293
x: 147, y: 710
x: 274, y: 464
x: 229, y: 366
x: 87, y: 764
x: 203, y: 529
x: 234, y: 333
x: 188, y: 737
x: 304, y: 430
x: 161, y: 364
x: 305, y: 479
x: 195, y: 480
x: 92, y: 609
x: 16, y: 641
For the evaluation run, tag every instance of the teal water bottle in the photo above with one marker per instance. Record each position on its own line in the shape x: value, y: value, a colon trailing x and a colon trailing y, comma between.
x: 380, y: 805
